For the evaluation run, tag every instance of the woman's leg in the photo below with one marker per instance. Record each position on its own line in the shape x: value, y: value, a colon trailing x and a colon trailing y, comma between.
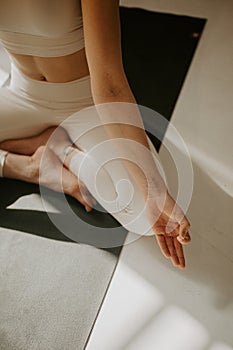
x: 21, y: 119
x: 105, y: 176
x: 18, y: 117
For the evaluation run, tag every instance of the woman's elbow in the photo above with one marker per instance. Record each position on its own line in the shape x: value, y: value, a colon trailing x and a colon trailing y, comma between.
x: 117, y: 90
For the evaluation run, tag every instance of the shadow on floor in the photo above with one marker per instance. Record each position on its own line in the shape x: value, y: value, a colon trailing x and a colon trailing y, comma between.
x: 39, y: 223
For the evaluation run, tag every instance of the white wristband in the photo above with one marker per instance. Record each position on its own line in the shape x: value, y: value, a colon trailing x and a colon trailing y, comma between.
x: 3, y: 155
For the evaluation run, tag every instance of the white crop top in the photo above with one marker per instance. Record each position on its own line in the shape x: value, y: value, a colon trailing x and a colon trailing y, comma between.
x: 45, y: 28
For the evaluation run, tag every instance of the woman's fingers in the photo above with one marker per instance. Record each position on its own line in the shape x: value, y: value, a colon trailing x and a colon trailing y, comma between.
x: 172, y: 250
x: 176, y: 220
x: 184, y: 236
x: 165, y: 242
x: 163, y: 245
x: 179, y: 252
x: 168, y: 242
x: 175, y: 247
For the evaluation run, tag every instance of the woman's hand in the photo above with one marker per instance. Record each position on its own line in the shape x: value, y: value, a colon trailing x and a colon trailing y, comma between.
x: 170, y: 226
x: 24, y: 160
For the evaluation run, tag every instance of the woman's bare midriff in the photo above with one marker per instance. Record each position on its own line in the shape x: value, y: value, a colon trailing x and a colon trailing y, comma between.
x: 53, y: 69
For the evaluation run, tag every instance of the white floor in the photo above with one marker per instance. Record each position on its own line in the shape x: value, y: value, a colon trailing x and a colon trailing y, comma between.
x: 151, y: 305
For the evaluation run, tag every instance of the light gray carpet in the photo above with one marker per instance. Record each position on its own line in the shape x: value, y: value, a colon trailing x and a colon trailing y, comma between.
x: 50, y: 291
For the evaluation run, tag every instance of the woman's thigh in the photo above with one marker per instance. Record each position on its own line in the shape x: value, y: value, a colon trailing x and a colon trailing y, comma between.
x: 20, y: 118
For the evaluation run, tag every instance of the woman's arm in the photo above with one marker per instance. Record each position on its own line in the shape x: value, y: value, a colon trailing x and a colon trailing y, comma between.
x: 109, y: 85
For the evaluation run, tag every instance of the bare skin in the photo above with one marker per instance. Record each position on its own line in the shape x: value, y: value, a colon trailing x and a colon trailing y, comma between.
x: 23, y: 163
x: 53, y: 69
x: 102, y: 60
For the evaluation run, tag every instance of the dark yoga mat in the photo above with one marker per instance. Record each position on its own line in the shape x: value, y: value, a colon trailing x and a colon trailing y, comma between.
x: 157, y: 51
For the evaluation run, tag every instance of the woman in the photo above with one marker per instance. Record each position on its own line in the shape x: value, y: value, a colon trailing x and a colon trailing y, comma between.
x: 53, y: 76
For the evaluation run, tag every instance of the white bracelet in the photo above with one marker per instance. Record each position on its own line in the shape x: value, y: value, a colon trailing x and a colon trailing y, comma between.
x: 3, y: 155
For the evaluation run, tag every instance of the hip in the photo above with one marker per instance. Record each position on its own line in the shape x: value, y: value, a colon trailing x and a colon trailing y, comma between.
x: 28, y: 106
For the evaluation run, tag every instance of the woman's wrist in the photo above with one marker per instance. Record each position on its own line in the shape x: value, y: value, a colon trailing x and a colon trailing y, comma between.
x: 151, y: 184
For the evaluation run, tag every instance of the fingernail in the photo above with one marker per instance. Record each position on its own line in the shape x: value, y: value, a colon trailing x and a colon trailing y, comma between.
x: 182, y: 240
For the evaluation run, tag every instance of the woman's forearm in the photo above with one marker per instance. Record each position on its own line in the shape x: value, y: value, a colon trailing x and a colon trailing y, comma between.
x: 123, y: 121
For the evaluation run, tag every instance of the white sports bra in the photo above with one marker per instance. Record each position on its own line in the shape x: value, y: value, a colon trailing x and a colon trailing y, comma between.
x: 45, y: 28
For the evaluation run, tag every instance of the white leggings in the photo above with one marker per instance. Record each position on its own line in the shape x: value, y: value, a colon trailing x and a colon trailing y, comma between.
x: 28, y: 106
